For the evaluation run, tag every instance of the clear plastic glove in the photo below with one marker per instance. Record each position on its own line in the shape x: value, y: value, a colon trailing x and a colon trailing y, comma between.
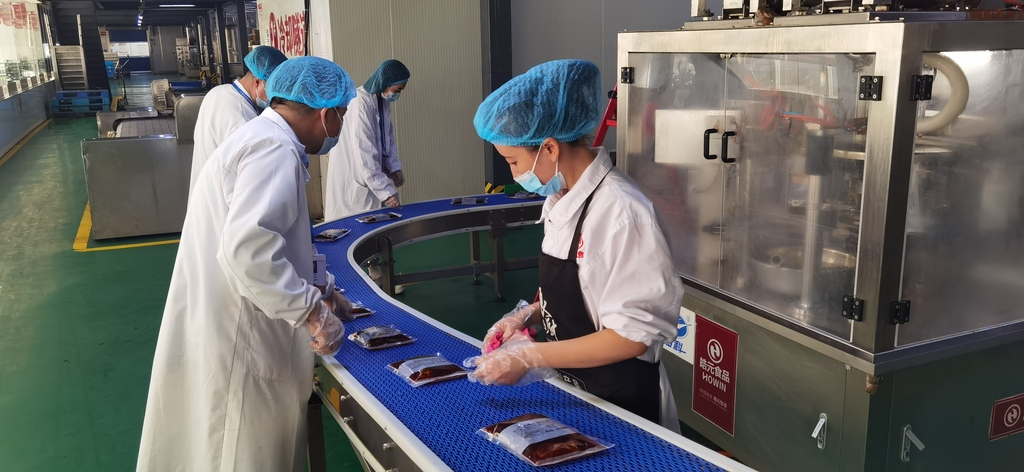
x: 392, y: 202
x: 326, y: 330
x: 340, y: 306
x: 508, y: 325
x: 398, y: 178
x: 514, y: 363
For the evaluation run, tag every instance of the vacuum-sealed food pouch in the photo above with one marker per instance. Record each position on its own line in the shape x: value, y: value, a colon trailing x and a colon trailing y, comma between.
x: 380, y: 337
x: 360, y: 311
x: 376, y: 217
x: 330, y: 235
x: 540, y: 440
x: 426, y: 369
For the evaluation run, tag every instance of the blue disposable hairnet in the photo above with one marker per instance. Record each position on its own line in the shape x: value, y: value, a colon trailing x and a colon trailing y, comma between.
x: 262, y: 61
x: 312, y: 81
x: 390, y: 72
x: 558, y: 99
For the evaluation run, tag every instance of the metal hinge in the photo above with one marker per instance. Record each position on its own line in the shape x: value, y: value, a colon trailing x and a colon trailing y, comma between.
x: 853, y: 308
x: 922, y: 87
x: 871, y: 87
x: 627, y: 75
x: 900, y: 312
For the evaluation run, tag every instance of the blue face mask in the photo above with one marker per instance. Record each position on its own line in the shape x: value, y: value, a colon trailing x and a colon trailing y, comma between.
x: 263, y: 104
x: 329, y: 141
x: 391, y: 97
x: 531, y: 183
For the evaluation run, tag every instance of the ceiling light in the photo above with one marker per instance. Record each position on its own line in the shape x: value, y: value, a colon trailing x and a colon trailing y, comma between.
x: 177, y: 6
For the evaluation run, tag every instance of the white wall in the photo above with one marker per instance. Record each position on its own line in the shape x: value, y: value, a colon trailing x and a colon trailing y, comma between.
x: 545, y: 30
x: 440, y: 42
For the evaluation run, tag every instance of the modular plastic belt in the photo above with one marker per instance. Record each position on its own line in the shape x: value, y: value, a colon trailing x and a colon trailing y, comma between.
x: 446, y: 415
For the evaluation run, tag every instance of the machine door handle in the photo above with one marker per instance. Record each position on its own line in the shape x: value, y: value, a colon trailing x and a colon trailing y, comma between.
x: 819, y: 430
x: 909, y: 438
x: 725, y: 147
x: 707, y: 144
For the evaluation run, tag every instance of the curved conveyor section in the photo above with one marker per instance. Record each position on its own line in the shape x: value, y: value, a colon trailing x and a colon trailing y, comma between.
x: 433, y: 427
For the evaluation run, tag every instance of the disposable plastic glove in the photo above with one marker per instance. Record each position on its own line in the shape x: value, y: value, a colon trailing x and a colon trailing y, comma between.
x: 392, y: 202
x: 508, y: 325
x: 340, y: 306
x: 514, y: 363
x: 326, y: 330
x: 398, y: 178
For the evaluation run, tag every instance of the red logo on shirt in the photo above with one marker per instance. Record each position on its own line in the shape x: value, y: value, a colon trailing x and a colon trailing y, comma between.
x: 579, y: 252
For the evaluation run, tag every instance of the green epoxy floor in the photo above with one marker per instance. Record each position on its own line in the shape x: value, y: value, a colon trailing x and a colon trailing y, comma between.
x: 78, y: 330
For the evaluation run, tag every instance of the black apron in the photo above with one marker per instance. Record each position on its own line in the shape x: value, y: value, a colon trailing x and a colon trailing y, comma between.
x: 632, y: 384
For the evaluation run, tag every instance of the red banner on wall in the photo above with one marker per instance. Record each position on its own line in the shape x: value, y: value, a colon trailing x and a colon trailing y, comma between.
x: 283, y: 25
x: 714, y: 373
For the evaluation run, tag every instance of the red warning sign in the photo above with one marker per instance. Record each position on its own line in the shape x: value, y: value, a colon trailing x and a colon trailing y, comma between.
x: 1006, y: 417
x: 714, y: 373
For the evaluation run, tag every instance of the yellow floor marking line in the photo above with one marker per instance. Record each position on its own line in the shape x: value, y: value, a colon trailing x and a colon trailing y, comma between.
x: 85, y: 229
x: 23, y: 142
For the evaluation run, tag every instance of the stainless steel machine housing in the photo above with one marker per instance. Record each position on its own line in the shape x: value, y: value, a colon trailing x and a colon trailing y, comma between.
x: 826, y: 163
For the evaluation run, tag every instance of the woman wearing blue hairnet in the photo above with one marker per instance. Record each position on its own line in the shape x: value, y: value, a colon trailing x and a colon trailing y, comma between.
x: 364, y: 172
x: 609, y: 296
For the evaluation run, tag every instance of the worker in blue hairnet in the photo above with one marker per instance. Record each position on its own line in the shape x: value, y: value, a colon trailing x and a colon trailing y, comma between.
x: 243, y: 319
x: 364, y: 172
x: 609, y: 296
x: 227, y: 107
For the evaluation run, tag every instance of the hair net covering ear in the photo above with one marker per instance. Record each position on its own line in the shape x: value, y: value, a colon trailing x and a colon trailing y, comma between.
x: 262, y: 61
x: 390, y: 72
x: 557, y: 99
x: 313, y: 81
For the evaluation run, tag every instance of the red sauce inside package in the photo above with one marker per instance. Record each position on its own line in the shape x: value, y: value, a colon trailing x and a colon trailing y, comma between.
x: 379, y: 337
x: 426, y: 369
x: 540, y: 440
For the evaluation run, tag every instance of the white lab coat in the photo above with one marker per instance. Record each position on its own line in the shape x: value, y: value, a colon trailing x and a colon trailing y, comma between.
x: 223, y: 111
x: 233, y: 371
x: 355, y: 181
x: 626, y: 274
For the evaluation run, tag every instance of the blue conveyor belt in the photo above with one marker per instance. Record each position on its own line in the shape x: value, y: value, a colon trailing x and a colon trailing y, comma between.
x: 445, y: 416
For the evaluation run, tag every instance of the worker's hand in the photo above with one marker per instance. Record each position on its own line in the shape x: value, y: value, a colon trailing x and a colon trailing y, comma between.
x: 392, y: 202
x: 505, y: 329
x: 326, y: 330
x: 514, y: 363
x: 398, y: 178
x: 340, y: 306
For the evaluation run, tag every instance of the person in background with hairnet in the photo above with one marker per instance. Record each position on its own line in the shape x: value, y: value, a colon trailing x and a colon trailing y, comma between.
x: 227, y: 107
x: 609, y: 296
x: 233, y: 363
x: 364, y: 172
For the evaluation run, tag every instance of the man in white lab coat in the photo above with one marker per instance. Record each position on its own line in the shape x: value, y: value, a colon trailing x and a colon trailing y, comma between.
x: 227, y: 107
x: 233, y: 369
x: 364, y: 172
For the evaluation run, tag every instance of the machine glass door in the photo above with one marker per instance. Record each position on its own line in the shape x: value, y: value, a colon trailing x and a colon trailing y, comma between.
x: 673, y: 103
x: 963, y: 266
x: 793, y: 139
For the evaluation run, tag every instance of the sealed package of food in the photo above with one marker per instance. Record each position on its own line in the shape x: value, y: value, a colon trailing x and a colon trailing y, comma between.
x: 540, y: 440
x: 359, y: 311
x: 330, y: 235
x: 376, y: 217
x: 426, y: 369
x: 380, y: 337
x: 469, y: 200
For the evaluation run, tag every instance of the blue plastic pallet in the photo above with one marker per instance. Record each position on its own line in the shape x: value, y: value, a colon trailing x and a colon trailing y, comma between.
x: 70, y: 94
x: 60, y: 109
x: 445, y: 416
x: 80, y: 101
